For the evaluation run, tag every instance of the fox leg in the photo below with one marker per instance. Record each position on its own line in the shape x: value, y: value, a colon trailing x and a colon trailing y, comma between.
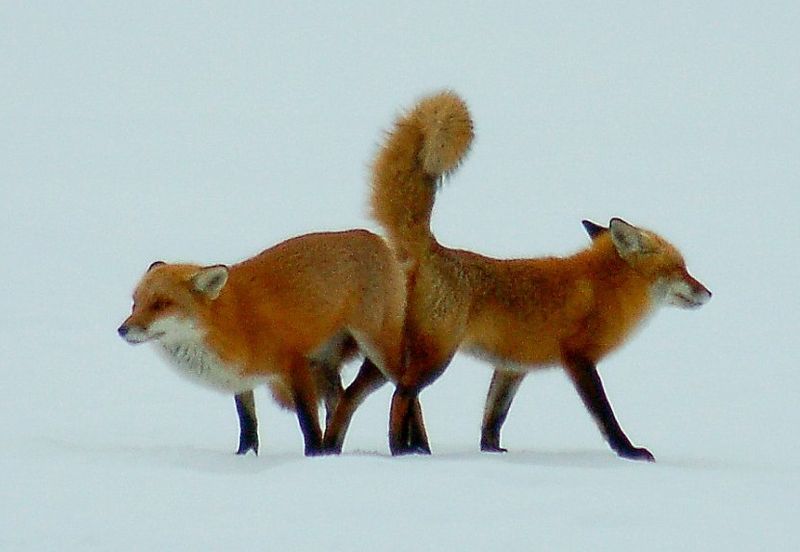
x: 498, y: 401
x: 406, y: 427
x: 368, y: 380
x: 407, y: 434
x: 248, y: 424
x: 417, y: 435
x: 399, y: 416
x: 305, y: 403
x: 587, y: 381
x: 329, y: 385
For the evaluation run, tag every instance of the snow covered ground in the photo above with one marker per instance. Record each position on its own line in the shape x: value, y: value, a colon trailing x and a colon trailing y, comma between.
x: 205, y: 132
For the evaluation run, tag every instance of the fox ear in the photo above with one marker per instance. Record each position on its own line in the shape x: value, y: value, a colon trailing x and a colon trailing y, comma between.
x: 627, y: 239
x: 210, y: 280
x: 155, y: 264
x: 594, y: 230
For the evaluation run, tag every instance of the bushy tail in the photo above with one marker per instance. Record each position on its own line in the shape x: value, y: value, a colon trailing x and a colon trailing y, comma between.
x: 426, y: 143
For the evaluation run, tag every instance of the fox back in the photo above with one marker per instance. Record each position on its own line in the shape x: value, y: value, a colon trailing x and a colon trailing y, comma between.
x: 531, y: 312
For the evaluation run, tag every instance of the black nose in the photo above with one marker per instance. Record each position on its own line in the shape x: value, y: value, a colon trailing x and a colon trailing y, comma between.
x: 122, y: 330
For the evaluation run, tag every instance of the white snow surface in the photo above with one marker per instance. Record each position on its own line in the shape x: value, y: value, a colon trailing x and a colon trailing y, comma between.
x: 207, y: 131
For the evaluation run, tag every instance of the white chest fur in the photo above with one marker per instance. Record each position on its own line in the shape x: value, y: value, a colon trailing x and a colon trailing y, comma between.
x: 195, y: 361
x: 185, y: 348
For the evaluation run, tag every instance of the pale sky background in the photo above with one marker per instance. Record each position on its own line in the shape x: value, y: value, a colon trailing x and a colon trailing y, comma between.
x: 206, y: 132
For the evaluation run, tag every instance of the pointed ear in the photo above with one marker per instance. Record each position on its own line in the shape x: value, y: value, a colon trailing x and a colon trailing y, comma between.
x: 155, y: 264
x: 594, y: 230
x: 627, y: 239
x: 210, y: 280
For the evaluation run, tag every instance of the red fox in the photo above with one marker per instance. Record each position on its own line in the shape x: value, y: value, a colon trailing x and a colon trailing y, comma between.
x: 520, y: 314
x: 288, y: 317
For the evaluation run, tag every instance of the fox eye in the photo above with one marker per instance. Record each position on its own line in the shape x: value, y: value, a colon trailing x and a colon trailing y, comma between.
x: 160, y: 304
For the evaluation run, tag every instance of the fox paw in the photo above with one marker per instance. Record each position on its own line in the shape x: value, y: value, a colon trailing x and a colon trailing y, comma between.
x: 245, y: 447
x: 637, y: 453
x: 417, y: 449
x: 331, y: 450
x: 492, y: 447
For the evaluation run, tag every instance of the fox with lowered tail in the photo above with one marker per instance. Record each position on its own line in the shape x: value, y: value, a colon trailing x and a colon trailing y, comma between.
x: 288, y: 318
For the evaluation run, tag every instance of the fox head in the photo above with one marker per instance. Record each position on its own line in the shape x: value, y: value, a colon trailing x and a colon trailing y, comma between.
x: 168, y: 300
x: 656, y: 260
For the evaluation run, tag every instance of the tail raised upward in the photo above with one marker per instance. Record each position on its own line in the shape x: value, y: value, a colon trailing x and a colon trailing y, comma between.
x: 425, y: 144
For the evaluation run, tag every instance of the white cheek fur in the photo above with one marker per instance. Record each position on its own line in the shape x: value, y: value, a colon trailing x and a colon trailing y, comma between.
x: 678, y: 293
x: 660, y: 292
x: 172, y: 329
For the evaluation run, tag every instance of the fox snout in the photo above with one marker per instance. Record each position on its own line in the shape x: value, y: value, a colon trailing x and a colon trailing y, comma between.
x: 132, y: 333
x: 704, y: 293
x: 701, y: 294
x: 689, y: 293
x: 128, y: 334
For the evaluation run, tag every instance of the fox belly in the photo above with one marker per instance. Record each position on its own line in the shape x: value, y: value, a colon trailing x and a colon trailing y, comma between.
x: 195, y: 361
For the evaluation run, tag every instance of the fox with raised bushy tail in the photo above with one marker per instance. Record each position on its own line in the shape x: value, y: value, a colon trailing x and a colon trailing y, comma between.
x: 520, y: 314
x: 288, y: 318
